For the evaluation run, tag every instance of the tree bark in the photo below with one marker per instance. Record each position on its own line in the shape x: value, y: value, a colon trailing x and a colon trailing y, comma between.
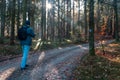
x: 24, y: 10
x: 116, y: 20
x: 91, y: 27
x: 12, y: 37
x: 85, y: 22
x: 3, y: 7
x: 43, y: 20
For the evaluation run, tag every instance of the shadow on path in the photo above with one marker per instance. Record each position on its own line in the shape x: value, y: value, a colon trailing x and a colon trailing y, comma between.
x: 33, y: 61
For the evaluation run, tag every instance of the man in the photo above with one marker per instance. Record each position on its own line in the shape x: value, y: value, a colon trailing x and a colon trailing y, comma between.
x: 26, y: 44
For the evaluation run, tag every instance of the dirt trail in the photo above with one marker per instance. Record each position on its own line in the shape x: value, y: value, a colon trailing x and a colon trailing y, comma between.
x: 56, y: 64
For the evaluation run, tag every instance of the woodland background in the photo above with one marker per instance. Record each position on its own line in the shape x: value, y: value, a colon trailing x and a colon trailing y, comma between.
x: 66, y: 22
x: 61, y: 21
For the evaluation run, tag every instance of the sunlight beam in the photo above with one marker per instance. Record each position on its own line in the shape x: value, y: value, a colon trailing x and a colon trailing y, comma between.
x: 48, y: 5
x: 6, y: 74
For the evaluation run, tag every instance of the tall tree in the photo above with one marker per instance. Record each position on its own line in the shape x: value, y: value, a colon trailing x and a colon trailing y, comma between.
x: 79, y: 5
x: 73, y: 17
x: 52, y: 21
x: 68, y: 27
x: 85, y: 22
x: 59, y: 21
x: 24, y: 10
x: 3, y: 7
x: 116, y: 20
x: 18, y: 14
x: 31, y: 11
x: 12, y: 37
x: 43, y: 20
x: 98, y: 15
x: 91, y: 27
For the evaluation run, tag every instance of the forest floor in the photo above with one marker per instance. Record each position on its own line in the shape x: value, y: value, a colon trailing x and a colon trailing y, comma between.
x: 104, y: 66
x: 65, y: 63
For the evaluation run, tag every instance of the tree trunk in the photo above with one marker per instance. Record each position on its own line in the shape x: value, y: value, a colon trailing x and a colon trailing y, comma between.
x: 31, y: 12
x: 53, y: 20
x: 3, y: 5
x: 73, y: 18
x: 43, y: 20
x: 24, y: 10
x: 91, y: 27
x: 98, y: 16
x: 12, y: 37
x: 85, y: 22
x: 59, y: 36
x: 18, y: 14
x: 68, y: 27
x: 116, y: 20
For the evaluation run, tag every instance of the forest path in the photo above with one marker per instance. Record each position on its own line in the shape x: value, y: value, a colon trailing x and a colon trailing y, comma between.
x: 55, y: 64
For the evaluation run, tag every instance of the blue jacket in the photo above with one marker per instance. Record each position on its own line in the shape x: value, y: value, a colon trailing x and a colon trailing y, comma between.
x: 31, y: 34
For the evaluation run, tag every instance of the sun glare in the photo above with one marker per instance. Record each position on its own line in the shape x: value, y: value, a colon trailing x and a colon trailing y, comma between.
x: 48, y: 5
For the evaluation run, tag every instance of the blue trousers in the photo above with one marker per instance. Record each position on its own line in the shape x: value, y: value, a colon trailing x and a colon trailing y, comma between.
x: 25, y: 51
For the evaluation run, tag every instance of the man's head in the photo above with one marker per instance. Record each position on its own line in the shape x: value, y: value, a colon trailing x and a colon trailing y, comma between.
x: 27, y: 22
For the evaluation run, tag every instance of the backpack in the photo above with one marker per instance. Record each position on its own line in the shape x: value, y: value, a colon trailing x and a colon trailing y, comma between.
x: 22, y: 33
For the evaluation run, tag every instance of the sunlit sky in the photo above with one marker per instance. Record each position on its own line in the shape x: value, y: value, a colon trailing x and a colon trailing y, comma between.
x: 48, y: 5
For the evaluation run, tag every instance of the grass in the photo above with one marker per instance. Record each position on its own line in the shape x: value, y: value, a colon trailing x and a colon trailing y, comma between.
x: 100, y: 67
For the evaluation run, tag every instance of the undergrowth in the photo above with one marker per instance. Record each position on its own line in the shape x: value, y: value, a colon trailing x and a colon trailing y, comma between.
x: 100, y: 67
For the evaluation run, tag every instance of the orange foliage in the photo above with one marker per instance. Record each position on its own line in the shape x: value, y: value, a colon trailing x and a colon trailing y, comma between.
x: 102, y: 34
x: 103, y: 30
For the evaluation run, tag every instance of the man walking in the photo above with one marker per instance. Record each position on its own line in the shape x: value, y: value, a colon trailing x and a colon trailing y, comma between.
x: 26, y: 43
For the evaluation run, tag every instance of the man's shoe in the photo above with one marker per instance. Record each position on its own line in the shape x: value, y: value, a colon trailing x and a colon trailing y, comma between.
x: 26, y: 65
x: 23, y: 69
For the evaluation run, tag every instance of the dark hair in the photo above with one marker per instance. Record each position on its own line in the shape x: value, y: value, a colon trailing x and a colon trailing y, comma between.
x: 27, y: 22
